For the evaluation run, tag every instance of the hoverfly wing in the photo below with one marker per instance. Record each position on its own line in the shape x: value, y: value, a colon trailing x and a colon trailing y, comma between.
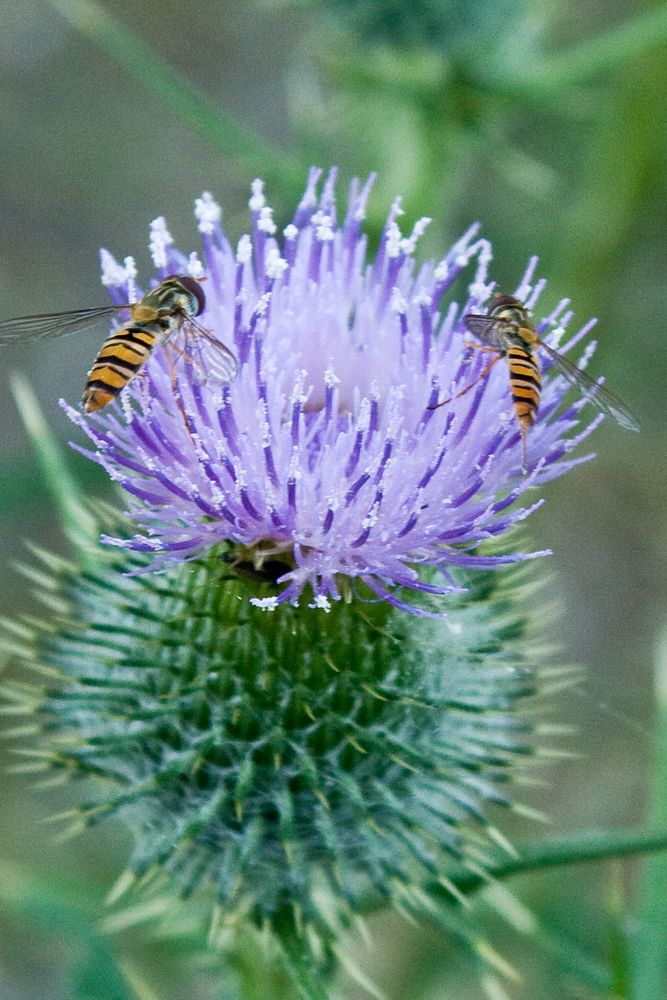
x: 219, y: 362
x: 598, y: 395
x: 27, y: 329
x: 223, y: 365
x: 206, y: 358
x: 485, y: 328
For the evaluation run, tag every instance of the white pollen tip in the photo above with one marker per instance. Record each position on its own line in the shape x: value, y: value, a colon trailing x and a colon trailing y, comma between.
x: 321, y: 602
x: 113, y: 273
x: 323, y: 224
x: 421, y: 225
x: 398, y: 303
x: 479, y: 290
x: 265, y: 603
x: 130, y: 268
x: 290, y: 232
x: 244, y: 250
x: 257, y: 201
x: 160, y: 239
x: 409, y: 244
x: 275, y: 264
x: 207, y: 212
x: 393, y: 240
x: 396, y: 208
x: 262, y: 304
x: 265, y: 221
x: 195, y: 267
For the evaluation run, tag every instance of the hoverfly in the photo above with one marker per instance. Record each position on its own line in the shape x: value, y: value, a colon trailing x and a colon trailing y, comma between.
x: 508, y: 332
x: 170, y: 308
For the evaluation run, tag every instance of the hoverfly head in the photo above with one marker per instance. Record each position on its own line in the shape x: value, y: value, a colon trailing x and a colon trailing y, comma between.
x: 193, y: 289
x: 508, y: 308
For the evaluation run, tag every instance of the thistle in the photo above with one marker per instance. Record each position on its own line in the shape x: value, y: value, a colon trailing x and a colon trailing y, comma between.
x: 292, y: 659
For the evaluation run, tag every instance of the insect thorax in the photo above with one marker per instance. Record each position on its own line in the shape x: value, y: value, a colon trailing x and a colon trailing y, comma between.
x: 513, y: 324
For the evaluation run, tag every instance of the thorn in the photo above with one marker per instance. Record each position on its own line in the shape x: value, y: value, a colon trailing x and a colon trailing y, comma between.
x: 120, y: 887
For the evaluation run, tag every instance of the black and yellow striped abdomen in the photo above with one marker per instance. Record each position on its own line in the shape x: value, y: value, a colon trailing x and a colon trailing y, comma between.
x: 120, y: 357
x: 525, y: 384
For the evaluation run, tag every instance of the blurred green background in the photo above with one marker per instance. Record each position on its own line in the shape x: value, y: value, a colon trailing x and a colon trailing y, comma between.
x: 545, y: 121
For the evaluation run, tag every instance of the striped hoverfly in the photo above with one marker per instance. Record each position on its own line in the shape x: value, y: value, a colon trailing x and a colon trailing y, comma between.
x: 507, y: 331
x: 163, y: 315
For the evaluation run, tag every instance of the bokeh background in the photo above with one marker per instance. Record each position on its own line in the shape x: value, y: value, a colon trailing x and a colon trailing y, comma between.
x: 546, y: 122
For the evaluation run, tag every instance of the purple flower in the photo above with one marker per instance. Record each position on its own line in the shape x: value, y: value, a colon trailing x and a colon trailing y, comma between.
x: 325, y: 455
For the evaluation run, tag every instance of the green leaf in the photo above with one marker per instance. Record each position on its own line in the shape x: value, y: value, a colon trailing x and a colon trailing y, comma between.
x: 80, y: 525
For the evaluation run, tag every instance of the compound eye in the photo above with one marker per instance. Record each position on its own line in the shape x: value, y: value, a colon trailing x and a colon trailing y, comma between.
x: 195, y: 289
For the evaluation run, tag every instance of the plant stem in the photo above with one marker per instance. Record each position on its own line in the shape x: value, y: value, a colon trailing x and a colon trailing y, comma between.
x: 193, y: 107
x: 648, y: 959
x: 576, y: 849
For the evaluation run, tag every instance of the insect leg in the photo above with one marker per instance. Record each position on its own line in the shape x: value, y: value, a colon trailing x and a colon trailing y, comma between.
x: 485, y: 371
x: 177, y: 392
x: 481, y: 347
x: 195, y: 362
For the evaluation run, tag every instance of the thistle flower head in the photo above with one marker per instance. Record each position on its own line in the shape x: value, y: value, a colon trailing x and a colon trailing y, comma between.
x: 291, y: 762
x: 325, y: 464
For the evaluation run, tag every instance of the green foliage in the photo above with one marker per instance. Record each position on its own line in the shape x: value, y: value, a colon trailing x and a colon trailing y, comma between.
x: 68, y: 910
x: 443, y: 24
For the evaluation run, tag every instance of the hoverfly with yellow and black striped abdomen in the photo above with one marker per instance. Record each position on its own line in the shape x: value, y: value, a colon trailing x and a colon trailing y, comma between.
x: 163, y: 314
x: 507, y: 331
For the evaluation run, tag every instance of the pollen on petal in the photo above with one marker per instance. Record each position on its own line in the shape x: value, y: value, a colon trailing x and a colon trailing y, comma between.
x: 244, y: 250
x: 321, y: 602
x: 195, y: 266
x: 275, y: 264
x: 409, y: 243
x: 393, y: 239
x: 113, y: 273
x: 265, y: 603
x: 257, y: 200
x: 208, y: 212
x: 160, y: 240
x: 265, y: 222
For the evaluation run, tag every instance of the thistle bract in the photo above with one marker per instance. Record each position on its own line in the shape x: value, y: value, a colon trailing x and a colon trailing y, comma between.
x: 290, y: 764
x: 326, y: 456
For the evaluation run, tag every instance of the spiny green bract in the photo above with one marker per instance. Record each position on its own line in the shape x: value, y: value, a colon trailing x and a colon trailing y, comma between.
x: 287, y: 761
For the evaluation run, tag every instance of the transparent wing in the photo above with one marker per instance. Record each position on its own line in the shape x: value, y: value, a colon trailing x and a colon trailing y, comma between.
x: 205, y: 355
x: 597, y: 394
x: 486, y: 328
x: 27, y: 329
